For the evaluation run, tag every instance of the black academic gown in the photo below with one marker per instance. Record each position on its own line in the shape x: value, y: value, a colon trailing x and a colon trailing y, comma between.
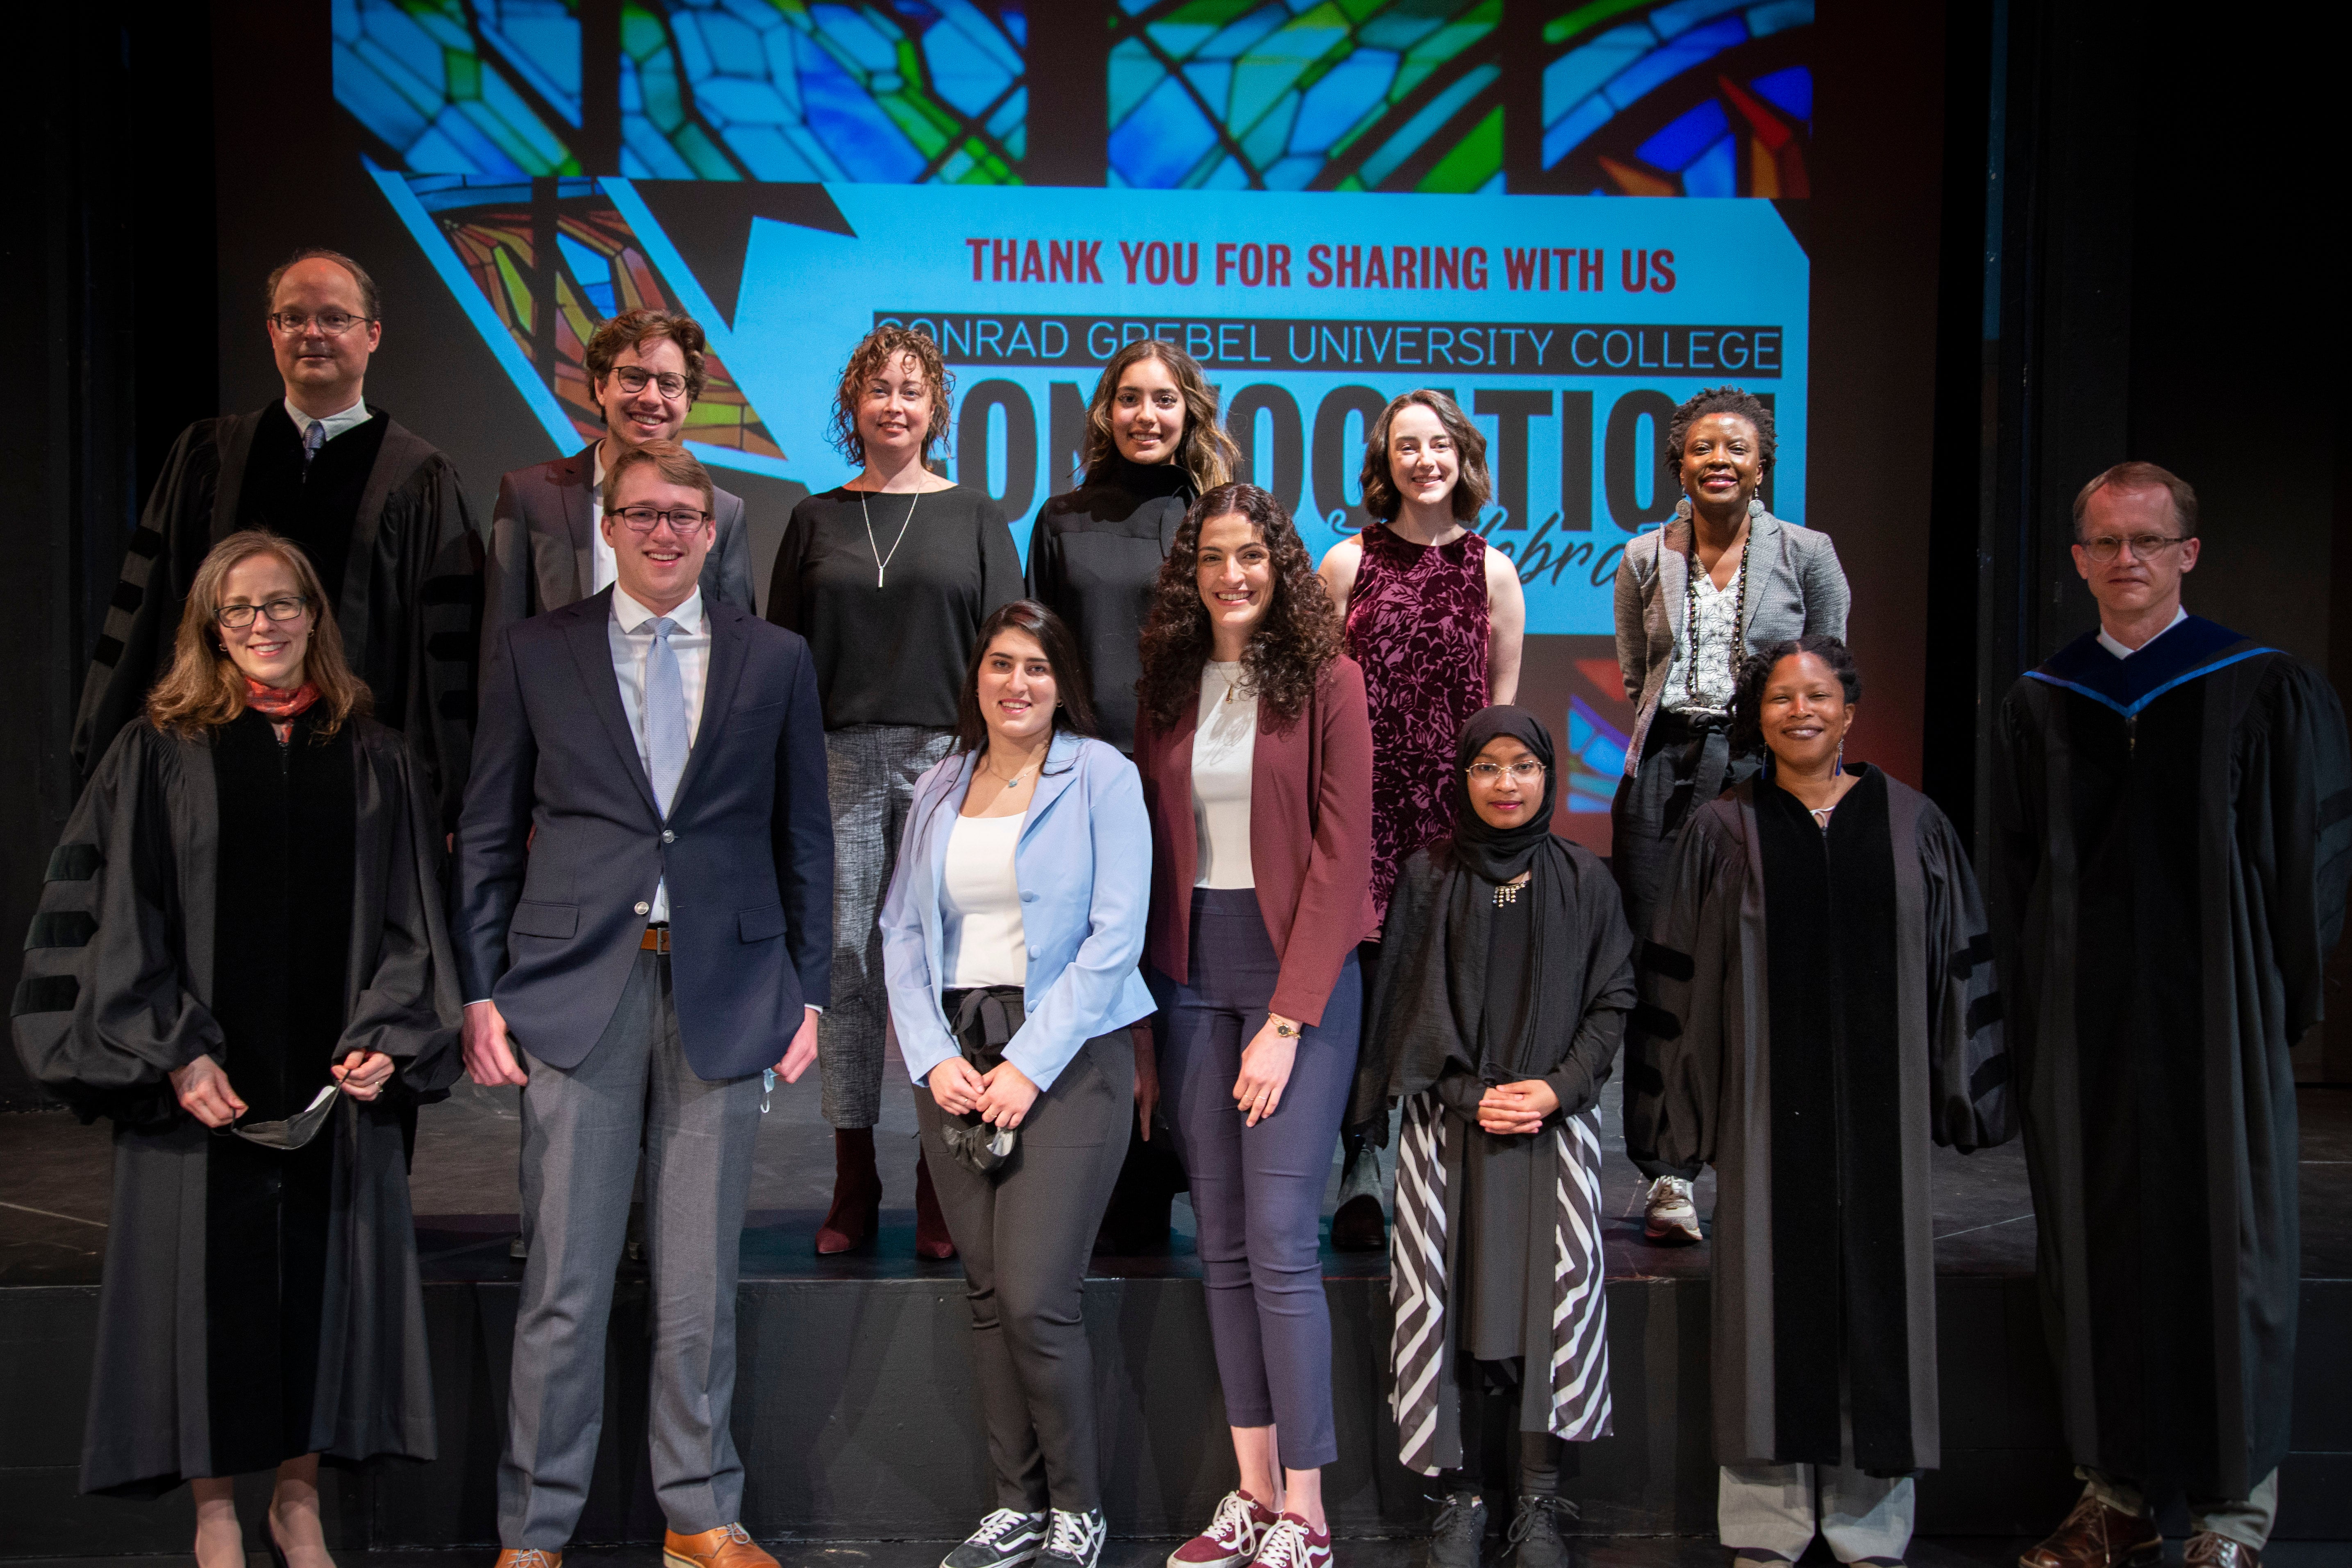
x: 134, y: 961
x: 2174, y: 837
x: 1818, y: 1009
x: 409, y: 610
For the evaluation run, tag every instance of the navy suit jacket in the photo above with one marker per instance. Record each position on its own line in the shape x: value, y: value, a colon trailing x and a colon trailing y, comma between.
x: 550, y: 927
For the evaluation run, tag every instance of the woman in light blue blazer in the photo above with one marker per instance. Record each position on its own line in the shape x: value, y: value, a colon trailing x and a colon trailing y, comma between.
x: 1010, y: 938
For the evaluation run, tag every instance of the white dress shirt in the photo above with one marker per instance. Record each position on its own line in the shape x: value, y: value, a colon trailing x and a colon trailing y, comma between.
x: 1225, y: 746
x: 603, y: 568
x: 351, y: 418
x: 2112, y: 646
x: 631, y: 630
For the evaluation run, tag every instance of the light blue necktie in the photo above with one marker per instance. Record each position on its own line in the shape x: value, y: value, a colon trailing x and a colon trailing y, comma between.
x: 665, y: 743
x: 312, y: 439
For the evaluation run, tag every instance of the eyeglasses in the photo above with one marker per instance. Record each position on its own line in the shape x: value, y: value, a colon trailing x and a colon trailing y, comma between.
x: 237, y: 617
x: 2107, y: 546
x: 641, y: 518
x: 633, y: 379
x: 333, y: 323
x: 1524, y: 770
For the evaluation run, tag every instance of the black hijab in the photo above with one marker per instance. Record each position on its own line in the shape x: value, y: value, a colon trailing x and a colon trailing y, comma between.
x: 1430, y: 1018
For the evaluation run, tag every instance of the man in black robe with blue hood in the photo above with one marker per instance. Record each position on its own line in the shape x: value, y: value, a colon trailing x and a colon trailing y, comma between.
x: 2173, y: 813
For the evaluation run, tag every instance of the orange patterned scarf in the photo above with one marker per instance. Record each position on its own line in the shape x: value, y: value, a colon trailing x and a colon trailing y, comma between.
x: 279, y: 706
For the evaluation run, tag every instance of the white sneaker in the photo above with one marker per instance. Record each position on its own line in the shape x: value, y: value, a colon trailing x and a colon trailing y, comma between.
x: 1668, y: 1215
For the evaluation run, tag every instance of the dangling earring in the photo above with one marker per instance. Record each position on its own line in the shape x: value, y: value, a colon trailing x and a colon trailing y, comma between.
x: 1837, y: 763
x: 1683, y: 510
x: 1755, y: 508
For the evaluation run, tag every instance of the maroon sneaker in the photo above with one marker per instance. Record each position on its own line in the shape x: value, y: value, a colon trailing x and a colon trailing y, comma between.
x: 1291, y: 1544
x: 1232, y: 1536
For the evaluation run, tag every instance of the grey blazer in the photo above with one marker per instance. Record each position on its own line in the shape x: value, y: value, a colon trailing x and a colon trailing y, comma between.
x: 1797, y: 588
x: 542, y: 551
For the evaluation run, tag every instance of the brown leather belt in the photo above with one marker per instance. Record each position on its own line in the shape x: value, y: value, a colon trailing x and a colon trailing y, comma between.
x: 656, y: 940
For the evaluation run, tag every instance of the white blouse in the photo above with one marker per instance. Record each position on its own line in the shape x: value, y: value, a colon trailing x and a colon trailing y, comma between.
x: 982, y: 901
x: 1719, y: 655
x: 1223, y: 748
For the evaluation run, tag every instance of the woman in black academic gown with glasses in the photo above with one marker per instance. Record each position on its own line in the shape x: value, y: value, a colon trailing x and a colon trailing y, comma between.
x: 240, y: 959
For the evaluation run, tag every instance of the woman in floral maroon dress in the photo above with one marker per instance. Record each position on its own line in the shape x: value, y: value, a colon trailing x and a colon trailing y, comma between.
x: 1435, y: 619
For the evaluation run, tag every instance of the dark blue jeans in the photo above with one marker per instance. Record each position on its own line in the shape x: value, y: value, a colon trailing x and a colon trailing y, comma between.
x: 1257, y: 1191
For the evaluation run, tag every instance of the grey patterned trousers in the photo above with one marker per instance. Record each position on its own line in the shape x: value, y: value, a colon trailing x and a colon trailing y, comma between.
x: 870, y: 772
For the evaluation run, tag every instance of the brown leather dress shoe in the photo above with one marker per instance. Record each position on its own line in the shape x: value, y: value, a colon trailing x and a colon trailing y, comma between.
x: 529, y: 1557
x: 2098, y: 1536
x: 728, y: 1546
x: 2207, y: 1550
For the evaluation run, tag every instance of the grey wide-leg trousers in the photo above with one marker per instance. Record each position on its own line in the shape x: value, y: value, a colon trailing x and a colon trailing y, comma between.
x: 579, y: 1159
x: 869, y: 774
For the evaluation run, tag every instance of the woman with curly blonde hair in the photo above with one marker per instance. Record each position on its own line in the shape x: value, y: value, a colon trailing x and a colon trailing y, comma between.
x: 1256, y: 757
x: 239, y: 960
x: 889, y: 577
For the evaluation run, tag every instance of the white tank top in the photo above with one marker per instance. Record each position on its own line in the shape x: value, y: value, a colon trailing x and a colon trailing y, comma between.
x: 982, y: 901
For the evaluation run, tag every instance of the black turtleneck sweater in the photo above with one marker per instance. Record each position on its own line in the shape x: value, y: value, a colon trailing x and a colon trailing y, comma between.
x: 1094, y: 559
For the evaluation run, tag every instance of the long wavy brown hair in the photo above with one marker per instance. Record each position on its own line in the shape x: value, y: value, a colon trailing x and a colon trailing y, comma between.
x: 1299, y: 633
x: 1205, y: 451
x: 204, y: 689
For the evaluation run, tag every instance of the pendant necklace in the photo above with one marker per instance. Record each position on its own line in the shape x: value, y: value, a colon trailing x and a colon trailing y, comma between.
x: 1010, y: 784
x: 1508, y: 893
x: 882, y: 561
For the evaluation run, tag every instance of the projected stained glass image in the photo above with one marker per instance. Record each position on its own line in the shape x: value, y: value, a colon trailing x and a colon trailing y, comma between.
x: 551, y: 299
x: 1308, y: 95
x: 898, y: 91
x: 1692, y: 98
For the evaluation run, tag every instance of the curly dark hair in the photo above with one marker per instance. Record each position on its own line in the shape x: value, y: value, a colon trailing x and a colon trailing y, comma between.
x: 1717, y: 400
x: 1748, y: 694
x: 635, y: 329
x: 1299, y: 633
x: 883, y: 347
x: 1074, y: 712
x: 1471, y: 490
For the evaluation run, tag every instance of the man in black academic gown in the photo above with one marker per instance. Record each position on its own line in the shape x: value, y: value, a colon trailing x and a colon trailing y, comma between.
x: 2173, y: 809
x: 378, y: 510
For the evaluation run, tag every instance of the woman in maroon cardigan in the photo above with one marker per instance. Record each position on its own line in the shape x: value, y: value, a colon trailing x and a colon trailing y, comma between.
x: 1256, y: 756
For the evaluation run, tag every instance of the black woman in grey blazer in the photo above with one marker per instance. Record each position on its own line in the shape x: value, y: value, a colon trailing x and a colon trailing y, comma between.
x: 1775, y: 581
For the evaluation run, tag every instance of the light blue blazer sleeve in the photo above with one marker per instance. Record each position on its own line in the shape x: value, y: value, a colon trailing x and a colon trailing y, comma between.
x: 1096, y: 988
x: 911, y: 936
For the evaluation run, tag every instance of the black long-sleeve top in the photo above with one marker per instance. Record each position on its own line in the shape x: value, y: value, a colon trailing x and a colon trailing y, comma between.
x: 896, y: 653
x: 1093, y: 559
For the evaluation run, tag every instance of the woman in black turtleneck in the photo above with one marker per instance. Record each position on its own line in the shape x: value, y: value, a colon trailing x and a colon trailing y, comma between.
x: 1152, y: 445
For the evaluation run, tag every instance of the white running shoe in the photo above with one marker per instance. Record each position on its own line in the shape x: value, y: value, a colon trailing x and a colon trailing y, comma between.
x: 1668, y: 1215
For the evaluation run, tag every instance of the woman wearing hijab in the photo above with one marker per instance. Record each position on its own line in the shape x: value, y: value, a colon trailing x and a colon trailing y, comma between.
x: 239, y: 960
x: 1819, y: 995
x: 1498, y: 1015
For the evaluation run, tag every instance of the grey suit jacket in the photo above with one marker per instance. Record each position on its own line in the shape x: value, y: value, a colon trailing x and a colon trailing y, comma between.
x: 1796, y: 588
x: 542, y: 550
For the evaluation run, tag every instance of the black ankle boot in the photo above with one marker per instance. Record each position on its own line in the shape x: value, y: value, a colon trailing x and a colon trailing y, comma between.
x: 1457, y: 1538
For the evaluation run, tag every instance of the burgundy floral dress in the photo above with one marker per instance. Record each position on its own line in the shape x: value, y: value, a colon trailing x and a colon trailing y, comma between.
x: 1417, y: 624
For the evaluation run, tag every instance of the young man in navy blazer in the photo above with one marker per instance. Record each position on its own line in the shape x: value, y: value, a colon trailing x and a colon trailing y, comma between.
x: 664, y: 937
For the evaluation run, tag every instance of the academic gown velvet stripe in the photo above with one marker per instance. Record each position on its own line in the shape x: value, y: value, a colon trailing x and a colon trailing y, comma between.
x: 116, y: 993
x: 1706, y: 1014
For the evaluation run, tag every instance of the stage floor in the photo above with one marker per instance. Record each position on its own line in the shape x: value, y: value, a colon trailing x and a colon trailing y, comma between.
x: 55, y: 1175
